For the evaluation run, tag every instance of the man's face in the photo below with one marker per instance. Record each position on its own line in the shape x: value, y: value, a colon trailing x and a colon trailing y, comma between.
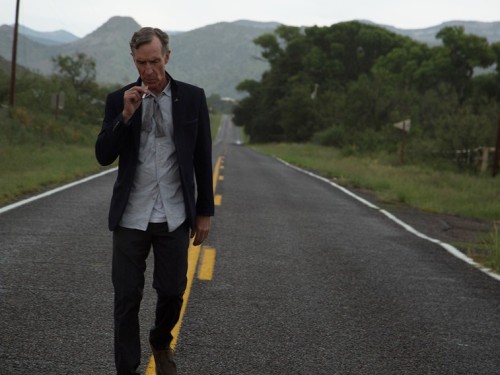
x: 150, y: 62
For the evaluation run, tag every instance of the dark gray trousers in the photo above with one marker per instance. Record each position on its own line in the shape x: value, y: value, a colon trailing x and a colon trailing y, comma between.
x: 131, y: 248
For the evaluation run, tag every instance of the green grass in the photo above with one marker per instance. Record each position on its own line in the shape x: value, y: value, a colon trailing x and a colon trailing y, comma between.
x: 28, y: 169
x: 492, y: 258
x: 487, y: 250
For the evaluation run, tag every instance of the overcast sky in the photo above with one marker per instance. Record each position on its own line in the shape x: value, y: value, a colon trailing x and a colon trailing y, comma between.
x: 83, y: 17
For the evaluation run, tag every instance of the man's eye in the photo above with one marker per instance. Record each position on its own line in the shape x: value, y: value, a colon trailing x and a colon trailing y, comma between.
x: 152, y: 62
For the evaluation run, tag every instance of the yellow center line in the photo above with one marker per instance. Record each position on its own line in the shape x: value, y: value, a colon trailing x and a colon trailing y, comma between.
x: 218, y: 199
x: 207, y: 264
x: 193, y: 256
x: 216, y: 171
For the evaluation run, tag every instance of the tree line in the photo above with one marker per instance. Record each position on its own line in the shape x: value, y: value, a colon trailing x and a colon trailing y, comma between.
x: 347, y: 84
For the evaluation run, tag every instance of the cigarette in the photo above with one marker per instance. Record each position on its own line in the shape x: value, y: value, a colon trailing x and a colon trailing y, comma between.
x: 143, y: 95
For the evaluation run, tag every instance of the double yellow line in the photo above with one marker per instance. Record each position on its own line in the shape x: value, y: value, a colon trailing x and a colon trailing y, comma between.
x: 205, y: 269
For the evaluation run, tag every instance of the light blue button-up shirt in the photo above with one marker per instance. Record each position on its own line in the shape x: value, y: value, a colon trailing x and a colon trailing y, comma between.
x: 156, y: 194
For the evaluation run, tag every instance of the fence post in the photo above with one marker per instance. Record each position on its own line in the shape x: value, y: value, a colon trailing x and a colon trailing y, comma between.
x: 484, y: 159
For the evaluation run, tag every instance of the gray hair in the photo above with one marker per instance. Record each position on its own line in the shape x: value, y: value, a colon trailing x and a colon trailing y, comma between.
x: 146, y: 35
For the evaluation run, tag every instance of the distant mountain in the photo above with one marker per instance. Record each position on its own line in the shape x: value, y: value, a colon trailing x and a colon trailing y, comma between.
x: 489, y: 30
x: 30, y: 54
x: 219, y: 56
x: 216, y: 57
x: 48, y: 38
x: 109, y: 46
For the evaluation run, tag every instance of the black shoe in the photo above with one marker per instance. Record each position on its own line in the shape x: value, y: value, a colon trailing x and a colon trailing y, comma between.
x: 164, y: 361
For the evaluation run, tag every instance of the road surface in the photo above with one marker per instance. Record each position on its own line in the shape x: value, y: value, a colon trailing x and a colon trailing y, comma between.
x: 304, y: 280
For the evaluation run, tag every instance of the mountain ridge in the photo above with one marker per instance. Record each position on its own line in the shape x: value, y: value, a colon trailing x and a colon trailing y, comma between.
x: 48, y: 37
x: 216, y: 57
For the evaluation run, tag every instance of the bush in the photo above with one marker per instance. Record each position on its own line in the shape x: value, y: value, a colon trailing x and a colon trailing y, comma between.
x: 334, y: 136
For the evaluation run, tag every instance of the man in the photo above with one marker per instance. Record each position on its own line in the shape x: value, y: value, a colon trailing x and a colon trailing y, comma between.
x: 159, y: 129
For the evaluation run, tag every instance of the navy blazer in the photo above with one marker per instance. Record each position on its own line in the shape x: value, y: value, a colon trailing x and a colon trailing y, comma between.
x: 192, y: 141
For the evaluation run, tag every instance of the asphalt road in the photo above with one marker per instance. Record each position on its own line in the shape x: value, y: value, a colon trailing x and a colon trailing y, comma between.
x: 306, y: 280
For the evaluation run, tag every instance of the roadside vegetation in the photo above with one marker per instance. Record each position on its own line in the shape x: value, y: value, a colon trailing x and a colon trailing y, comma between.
x: 38, y: 152
x: 348, y: 84
x: 417, y: 124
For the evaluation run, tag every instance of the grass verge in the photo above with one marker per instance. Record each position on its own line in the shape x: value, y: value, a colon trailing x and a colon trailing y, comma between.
x: 28, y: 169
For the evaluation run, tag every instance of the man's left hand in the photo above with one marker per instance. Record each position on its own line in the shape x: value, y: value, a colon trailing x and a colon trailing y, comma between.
x: 200, y: 232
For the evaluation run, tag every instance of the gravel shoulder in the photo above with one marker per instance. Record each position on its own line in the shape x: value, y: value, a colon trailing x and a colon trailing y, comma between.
x: 465, y: 233
x: 447, y: 228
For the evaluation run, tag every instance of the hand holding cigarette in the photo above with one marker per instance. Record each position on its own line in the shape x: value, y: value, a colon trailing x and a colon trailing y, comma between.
x: 132, y: 99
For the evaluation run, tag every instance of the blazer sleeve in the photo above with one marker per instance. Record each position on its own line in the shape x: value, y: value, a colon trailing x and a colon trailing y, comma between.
x: 202, y: 160
x: 114, y: 134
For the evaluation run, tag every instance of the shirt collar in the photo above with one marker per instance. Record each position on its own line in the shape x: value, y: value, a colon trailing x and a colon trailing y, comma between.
x: 166, y: 91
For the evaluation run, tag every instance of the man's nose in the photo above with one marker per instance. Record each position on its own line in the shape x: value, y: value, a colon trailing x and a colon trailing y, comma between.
x: 148, y: 68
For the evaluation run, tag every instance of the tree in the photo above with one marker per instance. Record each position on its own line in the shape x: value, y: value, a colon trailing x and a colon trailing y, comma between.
x: 77, y: 76
x: 80, y: 72
x: 256, y: 114
x: 298, y: 118
x: 465, y: 52
x: 368, y: 79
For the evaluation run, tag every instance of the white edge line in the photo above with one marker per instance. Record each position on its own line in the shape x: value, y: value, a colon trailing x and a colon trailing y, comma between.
x: 451, y: 249
x: 53, y: 191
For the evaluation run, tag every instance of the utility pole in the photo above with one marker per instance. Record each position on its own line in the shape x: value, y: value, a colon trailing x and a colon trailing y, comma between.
x: 14, y: 59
